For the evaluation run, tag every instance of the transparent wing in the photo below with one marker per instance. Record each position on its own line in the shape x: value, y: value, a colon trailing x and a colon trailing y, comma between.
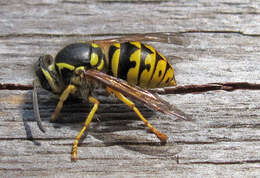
x: 169, y: 37
x: 151, y: 100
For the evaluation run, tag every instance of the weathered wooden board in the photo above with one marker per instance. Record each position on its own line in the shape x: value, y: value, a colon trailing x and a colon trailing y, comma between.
x: 223, y: 140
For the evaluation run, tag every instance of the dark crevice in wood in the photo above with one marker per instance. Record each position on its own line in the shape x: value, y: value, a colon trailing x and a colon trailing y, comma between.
x: 36, y: 139
x: 94, y: 158
x: 107, y: 35
x: 118, y: 143
x: 11, y: 86
x: 224, y: 163
x: 214, y: 141
x: 16, y: 35
x: 235, y: 126
x: 21, y: 169
x: 220, y: 31
x: 124, y: 2
x: 237, y: 13
x: 194, y: 142
x: 228, y: 86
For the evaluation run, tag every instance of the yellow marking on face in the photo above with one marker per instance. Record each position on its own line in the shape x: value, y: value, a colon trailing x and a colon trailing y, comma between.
x: 158, y: 73
x: 65, y: 65
x: 101, y: 66
x: 147, y: 74
x: 115, y: 60
x: 50, y: 80
x: 94, y: 59
x: 132, y: 74
x: 47, y: 75
x: 51, y: 67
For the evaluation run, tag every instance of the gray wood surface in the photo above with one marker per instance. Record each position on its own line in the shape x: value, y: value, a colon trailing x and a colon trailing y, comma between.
x: 223, y: 140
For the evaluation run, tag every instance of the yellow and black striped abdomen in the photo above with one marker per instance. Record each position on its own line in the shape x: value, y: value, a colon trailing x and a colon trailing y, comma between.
x: 140, y: 64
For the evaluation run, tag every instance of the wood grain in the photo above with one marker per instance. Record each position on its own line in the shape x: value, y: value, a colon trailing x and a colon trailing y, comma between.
x: 223, y: 140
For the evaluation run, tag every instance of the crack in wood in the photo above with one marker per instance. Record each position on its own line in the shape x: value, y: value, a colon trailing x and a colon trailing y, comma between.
x: 227, y: 86
x: 220, y: 31
x: 223, y: 162
x: 16, y: 35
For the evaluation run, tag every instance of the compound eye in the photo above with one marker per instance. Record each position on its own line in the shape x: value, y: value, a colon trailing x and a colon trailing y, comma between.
x: 48, y: 60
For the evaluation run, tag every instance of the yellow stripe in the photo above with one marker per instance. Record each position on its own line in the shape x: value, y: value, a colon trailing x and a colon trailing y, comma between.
x: 137, y: 44
x: 93, y: 59
x: 132, y: 74
x: 170, y: 77
x: 115, y: 60
x: 94, y: 45
x: 147, y: 74
x: 100, y: 67
x: 160, y: 69
x: 117, y: 45
x: 50, y: 80
x: 65, y: 65
x: 47, y: 75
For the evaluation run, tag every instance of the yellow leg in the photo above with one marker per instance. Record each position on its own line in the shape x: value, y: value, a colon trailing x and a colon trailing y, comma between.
x: 129, y: 103
x: 63, y: 97
x: 88, y: 120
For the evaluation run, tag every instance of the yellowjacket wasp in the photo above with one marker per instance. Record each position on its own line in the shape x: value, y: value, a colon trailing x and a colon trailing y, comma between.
x: 124, y: 68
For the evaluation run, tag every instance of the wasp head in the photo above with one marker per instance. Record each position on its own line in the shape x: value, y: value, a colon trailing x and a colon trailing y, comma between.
x: 47, y: 74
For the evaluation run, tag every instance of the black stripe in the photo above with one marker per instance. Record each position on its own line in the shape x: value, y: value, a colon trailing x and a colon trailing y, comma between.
x: 167, y: 67
x: 157, y: 58
x: 126, y: 50
x: 144, y: 53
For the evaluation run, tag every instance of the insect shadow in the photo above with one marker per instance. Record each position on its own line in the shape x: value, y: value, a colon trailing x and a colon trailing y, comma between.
x: 112, y: 117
